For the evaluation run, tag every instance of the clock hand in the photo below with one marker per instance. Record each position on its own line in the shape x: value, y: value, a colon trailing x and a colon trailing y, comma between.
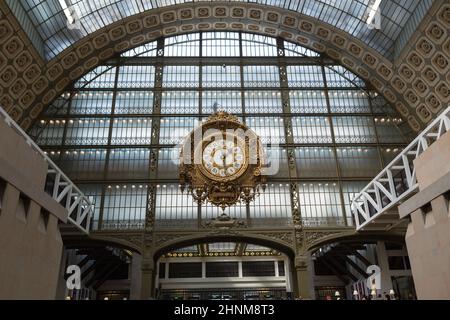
x: 224, y: 157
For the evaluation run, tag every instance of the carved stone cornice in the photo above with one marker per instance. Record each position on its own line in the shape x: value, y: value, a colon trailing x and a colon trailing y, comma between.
x: 133, y: 239
x: 286, y: 237
x: 317, y: 235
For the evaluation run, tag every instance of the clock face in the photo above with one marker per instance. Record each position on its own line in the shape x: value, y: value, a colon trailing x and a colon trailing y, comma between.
x: 224, y: 159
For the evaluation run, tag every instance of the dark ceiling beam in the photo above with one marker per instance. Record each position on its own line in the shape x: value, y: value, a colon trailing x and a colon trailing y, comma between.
x: 92, y: 267
x: 334, y: 270
x: 83, y: 262
x: 102, y: 278
x: 363, y: 259
x: 356, y: 267
x: 100, y: 270
x: 221, y: 60
x: 341, y: 267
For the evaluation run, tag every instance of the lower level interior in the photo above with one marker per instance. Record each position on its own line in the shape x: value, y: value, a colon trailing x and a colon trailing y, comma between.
x: 243, y: 271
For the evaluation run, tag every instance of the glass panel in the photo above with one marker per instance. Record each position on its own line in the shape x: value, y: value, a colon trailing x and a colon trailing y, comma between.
x: 275, y: 155
x: 272, y: 207
x: 320, y: 203
x: 85, y: 102
x: 221, y: 76
x: 229, y: 101
x: 173, y: 208
x: 380, y: 105
x: 270, y: 130
x: 305, y: 76
x: 146, y: 50
x: 351, y: 101
x: 136, y: 77
x: 131, y: 131
x: 338, y: 76
x: 308, y: 101
x: 220, y: 44
x: 134, y: 102
x: 128, y: 164
x: 101, y: 77
x: 87, y: 132
x: 187, y: 45
x: 354, y: 130
x: 59, y: 106
x: 390, y: 153
x: 311, y: 130
x: 261, y: 76
x: 49, y: 133
x: 258, y: 46
x: 315, y: 162
x: 294, y: 50
x: 180, y: 76
x: 125, y: 207
x: 168, y: 161
x: 258, y: 268
x: 83, y: 164
x: 180, y: 102
x: 174, y: 130
x: 222, y: 247
x: 388, y: 130
x: 358, y: 161
x: 263, y: 102
x: 222, y: 269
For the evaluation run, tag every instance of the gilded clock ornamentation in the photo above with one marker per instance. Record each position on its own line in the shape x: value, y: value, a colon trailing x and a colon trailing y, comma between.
x: 222, y: 162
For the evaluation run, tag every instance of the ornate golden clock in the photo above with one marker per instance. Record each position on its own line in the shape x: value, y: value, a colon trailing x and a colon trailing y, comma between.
x: 222, y: 162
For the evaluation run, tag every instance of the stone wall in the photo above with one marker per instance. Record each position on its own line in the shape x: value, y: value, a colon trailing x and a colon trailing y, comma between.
x: 30, y: 240
x: 428, y: 234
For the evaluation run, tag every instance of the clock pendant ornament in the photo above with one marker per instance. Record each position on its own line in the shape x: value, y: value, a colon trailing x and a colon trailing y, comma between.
x: 222, y: 162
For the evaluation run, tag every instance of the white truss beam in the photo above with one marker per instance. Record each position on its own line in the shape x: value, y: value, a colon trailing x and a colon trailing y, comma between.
x: 59, y: 186
x: 396, y: 182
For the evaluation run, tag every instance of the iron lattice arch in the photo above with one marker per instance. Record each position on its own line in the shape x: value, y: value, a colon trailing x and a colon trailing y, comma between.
x: 115, y: 131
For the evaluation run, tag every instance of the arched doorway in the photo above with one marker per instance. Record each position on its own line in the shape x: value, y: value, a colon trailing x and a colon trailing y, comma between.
x: 224, y: 268
x: 362, y: 267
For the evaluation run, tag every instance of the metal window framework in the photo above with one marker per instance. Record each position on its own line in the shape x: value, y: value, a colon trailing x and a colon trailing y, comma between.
x: 281, y: 61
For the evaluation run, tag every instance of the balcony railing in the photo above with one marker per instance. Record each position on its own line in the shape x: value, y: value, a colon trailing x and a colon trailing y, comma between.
x: 58, y: 185
x: 371, y: 207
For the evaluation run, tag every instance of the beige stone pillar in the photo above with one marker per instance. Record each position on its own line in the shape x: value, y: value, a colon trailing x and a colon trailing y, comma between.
x: 148, y: 272
x: 303, y: 277
x: 135, y: 276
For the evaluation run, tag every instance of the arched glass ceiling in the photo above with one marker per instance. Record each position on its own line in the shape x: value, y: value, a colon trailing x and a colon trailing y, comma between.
x: 100, y: 131
x: 351, y: 16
